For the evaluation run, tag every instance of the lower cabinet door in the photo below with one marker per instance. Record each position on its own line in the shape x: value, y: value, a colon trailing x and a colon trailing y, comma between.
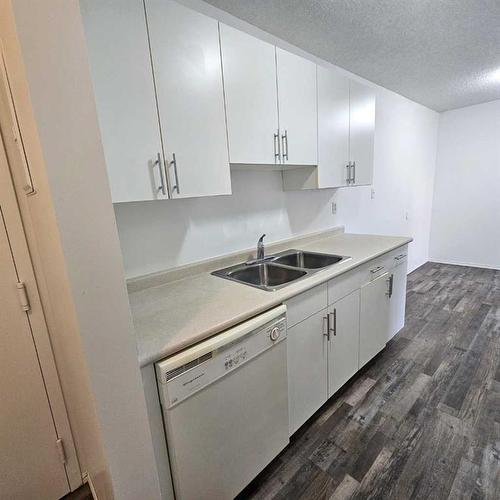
x: 307, y: 368
x: 398, y: 300
x: 374, y: 318
x: 343, y: 348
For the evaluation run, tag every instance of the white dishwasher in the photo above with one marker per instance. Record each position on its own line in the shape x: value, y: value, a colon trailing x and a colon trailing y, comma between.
x: 225, y: 407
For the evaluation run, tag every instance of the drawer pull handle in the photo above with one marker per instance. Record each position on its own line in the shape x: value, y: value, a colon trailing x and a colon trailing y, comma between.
x: 376, y: 269
x: 399, y: 257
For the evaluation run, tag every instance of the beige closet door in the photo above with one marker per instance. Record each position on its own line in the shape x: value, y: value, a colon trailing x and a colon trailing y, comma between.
x: 30, y: 462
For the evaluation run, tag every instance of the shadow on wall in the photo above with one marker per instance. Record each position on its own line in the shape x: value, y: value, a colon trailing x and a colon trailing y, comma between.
x: 162, y: 234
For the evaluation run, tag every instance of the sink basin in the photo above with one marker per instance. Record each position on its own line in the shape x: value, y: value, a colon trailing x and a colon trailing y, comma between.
x: 278, y: 270
x: 265, y: 275
x: 308, y: 260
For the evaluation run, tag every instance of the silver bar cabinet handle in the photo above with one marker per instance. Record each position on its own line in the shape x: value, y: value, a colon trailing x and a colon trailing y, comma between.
x: 326, y: 332
x: 354, y: 172
x: 348, y: 174
x: 174, y: 164
x: 284, y: 140
x: 376, y: 269
x: 333, y: 323
x: 162, y: 186
x: 390, y: 282
x: 277, y: 149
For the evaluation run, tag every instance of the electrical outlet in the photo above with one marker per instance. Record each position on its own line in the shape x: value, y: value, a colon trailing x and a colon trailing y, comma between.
x: 334, y: 208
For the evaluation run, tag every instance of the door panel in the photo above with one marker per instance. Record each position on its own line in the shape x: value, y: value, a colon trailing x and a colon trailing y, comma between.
x: 343, y: 348
x: 30, y: 464
x: 307, y: 368
x: 362, y: 131
x: 117, y: 43
x: 398, y: 300
x: 297, y: 104
x: 333, y: 128
x: 374, y: 318
x: 251, y: 97
x: 188, y: 73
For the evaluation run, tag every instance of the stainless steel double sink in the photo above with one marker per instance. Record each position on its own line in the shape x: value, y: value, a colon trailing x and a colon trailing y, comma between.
x: 276, y: 271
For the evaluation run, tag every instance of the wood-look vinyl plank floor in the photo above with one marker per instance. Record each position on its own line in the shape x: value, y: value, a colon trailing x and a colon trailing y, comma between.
x: 422, y: 420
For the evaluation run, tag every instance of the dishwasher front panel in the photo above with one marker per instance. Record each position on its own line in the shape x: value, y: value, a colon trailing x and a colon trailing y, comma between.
x: 225, y: 433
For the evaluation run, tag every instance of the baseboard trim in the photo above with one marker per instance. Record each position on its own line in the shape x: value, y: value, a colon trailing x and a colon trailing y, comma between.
x: 464, y: 264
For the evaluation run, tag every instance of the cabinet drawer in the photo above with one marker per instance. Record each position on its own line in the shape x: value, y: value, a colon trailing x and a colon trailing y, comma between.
x: 384, y: 263
x: 375, y: 268
x: 397, y: 257
x: 346, y: 283
x: 306, y: 304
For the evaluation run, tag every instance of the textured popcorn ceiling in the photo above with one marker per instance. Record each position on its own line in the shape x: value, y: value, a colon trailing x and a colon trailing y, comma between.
x: 440, y: 53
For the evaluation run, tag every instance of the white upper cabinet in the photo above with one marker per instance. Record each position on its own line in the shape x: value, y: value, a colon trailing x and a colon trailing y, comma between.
x: 249, y: 66
x: 362, y: 133
x: 188, y: 74
x: 118, y: 50
x: 180, y: 96
x: 346, y: 131
x: 298, y: 112
x: 333, y: 128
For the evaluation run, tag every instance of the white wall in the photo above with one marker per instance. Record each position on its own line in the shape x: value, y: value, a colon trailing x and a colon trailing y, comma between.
x: 162, y: 234
x: 403, y: 180
x: 466, y: 209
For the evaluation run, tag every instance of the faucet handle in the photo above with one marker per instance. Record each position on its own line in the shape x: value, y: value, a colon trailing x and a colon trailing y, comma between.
x: 261, y: 239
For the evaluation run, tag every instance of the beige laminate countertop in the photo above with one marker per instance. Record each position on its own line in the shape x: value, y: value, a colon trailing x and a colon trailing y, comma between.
x: 178, y: 314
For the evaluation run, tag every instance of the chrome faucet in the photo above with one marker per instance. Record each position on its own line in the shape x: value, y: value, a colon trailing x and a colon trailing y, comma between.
x: 260, y: 248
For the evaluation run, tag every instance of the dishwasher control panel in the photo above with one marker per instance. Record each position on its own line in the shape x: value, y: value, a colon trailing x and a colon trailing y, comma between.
x: 200, y: 373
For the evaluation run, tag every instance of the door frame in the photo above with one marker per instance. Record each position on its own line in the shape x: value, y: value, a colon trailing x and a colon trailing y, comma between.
x: 14, y: 195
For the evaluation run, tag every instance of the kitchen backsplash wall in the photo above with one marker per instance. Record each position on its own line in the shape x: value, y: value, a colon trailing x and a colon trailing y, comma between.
x: 160, y: 235
x: 163, y: 234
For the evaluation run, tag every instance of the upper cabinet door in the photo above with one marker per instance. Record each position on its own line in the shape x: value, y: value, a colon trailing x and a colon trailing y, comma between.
x: 118, y: 50
x: 187, y: 65
x: 249, y: 66
x: 298, y: 114
x: 362, y: 132
x: 333, y: 128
